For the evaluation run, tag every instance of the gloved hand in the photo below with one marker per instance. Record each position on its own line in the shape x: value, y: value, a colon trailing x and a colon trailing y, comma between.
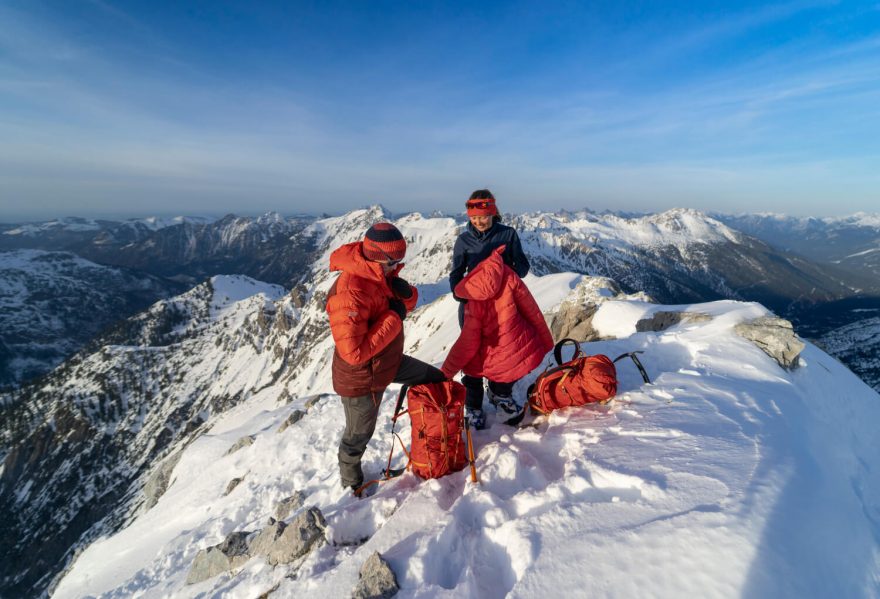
x: 397, y: 305
x: 460, y: 300
x: 400, y: 288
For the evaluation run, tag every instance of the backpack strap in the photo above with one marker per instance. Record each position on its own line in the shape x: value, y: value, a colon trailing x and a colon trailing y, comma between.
x: 636, y: 361
x: 557, y: 350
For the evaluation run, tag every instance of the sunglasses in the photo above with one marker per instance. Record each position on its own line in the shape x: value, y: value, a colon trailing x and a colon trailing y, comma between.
x: 482, y: 204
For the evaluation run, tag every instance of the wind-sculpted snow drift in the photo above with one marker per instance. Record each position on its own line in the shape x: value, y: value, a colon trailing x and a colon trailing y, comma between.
x: 728, y: 476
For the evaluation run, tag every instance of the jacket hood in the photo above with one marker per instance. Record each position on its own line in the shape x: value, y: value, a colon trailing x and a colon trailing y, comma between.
x: 350, y: 258
x: 485, y: 280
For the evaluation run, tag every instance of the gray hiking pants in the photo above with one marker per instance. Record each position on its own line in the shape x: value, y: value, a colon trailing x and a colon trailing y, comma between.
x: 361, y: 413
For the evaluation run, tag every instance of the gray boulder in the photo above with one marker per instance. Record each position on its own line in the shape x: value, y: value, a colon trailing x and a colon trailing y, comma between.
x: 287, y: 506
x: 574, y: 321
x: 775, y: 336
x: 264, y: 540
x: 283, y: 543
x: 159, y: 480
x: 294, y: 417
x: 660, y: 321
x: 230, y: 554
x: 376, y: 580
x: 243, y: 442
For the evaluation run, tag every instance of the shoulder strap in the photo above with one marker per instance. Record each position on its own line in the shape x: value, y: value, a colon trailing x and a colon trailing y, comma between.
x: 636, y: 361
x: 557, y: 350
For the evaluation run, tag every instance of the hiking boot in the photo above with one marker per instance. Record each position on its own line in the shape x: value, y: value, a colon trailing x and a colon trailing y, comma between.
x: 476, y: 418
x: 505, y: 404
x: 365, y: 491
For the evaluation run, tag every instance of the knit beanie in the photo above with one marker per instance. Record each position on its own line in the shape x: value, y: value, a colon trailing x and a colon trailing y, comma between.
x: 384, y: 242
x: 478, y: 207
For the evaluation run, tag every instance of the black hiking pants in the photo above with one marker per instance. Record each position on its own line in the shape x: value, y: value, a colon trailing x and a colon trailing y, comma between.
x: 361, y: 413
x: 474, y: 387
x: 474, y: 384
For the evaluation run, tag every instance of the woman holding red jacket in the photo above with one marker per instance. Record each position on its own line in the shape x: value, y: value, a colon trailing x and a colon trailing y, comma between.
x: 503, y: 337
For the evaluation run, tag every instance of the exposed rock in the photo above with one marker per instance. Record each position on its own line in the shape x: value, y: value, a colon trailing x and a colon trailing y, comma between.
x: 297, y: 538
x: 314, y: 400
x: 294, y: 417
x: 574, y: 321
x: 231, y: 553
x: 286, y: 507
x: 660, y: 321
x: 574, y: 318
x: 232, y: 484
x: 376, y: 580
x: 158, y: 482
x: 775, y: 336
x: 243, y: 442
x: 263, y: 542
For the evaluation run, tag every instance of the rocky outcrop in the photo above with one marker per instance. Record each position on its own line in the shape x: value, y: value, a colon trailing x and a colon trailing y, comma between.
x: 159, y: 480
x: 574, y: 318
x: 232, y: 484
x: 288, y: 505
x: 776, y: 337
x: 294, y: 417
x: 574, y: 322
x: 376, y: 579
x: 294, y: 540
x: 230, y: 554
x: 278, y: 543
x: 245, y: 441
x: 660, y: 321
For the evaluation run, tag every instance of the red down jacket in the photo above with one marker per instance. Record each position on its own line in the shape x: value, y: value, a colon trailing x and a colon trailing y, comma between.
x: 504, y: 336
x: 368, y: 335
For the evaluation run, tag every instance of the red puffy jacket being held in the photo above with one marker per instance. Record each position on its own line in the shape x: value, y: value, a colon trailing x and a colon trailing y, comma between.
x: 504, y: 335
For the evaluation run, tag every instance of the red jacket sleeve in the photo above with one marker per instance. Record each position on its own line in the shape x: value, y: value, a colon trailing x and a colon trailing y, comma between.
x: 468, y: 343
x: 357, y: 341
x: 530, y: 310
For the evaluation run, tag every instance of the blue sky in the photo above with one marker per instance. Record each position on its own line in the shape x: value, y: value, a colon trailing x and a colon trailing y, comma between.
x: 146, y: 107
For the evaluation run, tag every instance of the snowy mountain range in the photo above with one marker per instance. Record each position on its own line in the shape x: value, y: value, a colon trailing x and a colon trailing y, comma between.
x: 677, y: 256
x: 116, y: 472
x: 853, y: 242
x: 53, y: 303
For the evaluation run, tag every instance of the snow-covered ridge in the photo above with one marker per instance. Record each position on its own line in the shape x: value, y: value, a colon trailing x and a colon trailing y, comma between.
x: 715, y: 480
x: 678, y: 227
x: 77, y: 224
x: 167, y: 376
x: 52, y: 303
x: 858, y: 219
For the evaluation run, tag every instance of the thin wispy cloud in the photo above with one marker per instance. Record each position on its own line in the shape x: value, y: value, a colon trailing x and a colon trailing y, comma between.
x: 99, y: 103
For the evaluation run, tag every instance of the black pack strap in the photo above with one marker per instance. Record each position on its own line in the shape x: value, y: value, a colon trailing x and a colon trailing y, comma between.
x: 636, y: 361
x: 557, y: 350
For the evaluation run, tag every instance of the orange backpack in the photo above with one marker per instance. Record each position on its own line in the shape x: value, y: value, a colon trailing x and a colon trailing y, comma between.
x: 583, y: 379
x: 436, y: 411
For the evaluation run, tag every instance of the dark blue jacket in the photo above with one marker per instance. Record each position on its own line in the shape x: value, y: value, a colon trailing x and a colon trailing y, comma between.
x: 472, y: 247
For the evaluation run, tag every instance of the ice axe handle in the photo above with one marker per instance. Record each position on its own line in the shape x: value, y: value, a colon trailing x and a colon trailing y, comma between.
x: 470, y: 450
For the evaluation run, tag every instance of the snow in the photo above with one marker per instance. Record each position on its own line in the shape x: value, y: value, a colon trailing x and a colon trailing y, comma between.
x: 77, y: 224
x: 725, y: 477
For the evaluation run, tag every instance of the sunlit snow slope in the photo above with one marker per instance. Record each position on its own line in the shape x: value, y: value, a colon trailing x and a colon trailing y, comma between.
x: 726, y: 477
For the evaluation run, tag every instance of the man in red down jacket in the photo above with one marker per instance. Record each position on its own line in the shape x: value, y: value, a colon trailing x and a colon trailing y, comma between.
x: 366, y: 306
x: 504, y: 335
